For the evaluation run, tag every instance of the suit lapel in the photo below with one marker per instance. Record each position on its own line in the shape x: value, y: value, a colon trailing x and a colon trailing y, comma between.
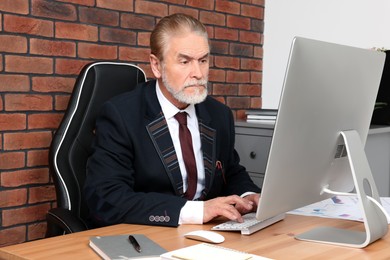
x: 159, y: 133
x: 207, y: 137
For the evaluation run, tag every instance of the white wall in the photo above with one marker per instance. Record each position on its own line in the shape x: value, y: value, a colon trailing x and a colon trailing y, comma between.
x: 359, y: 23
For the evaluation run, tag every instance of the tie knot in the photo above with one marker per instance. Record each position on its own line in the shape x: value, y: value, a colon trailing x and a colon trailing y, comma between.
x: 181, y: 117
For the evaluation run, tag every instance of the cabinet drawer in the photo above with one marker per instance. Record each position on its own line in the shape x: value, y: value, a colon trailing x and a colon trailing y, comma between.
x: 253, y: 151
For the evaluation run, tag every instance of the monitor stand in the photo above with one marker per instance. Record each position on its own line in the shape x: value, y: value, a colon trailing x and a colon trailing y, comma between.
x: 375, y: 221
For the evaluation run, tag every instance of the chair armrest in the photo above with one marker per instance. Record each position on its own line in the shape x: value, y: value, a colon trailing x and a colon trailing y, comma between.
x: 61, y: 221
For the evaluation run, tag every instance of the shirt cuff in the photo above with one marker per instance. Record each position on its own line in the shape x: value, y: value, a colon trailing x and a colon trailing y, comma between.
x: 191, y: 213
x: 247, y: 193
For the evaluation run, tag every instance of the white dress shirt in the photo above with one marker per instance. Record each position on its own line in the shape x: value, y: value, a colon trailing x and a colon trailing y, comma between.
x: 192, y: 212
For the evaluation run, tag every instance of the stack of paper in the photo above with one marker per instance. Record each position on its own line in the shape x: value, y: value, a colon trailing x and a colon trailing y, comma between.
x: 264, y: 116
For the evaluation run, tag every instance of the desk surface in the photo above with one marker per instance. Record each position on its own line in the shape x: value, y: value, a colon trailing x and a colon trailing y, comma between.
x: 276, y: 241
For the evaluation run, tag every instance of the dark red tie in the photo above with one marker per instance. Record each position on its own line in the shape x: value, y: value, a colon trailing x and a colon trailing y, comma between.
x: 188, y: 154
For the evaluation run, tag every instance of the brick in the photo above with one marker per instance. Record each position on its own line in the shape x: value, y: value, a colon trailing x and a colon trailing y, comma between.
x: 37, y: 157
x: 52, y: 48
x: 121, y: 5
x: 44, y: 121
x: 13, y: 235
x: 15, y: 6
x: 250, y: 37
x: 212, y: 18
x: 12, y: 82
x: 76, y: 31
x: 251, y: 64
x: 225, y: 89
x: 26, y: 140
x: 36, y: 230
x: 179, y: 2
x: 54, y: 9
x: 41, y: 194
x: 258, y: 52
x: 256, y: 77
x: 139, y: 22
x: 25, y: 177
x: 79, y: 2
x: 249, y: 90
x: 240, y: 114
x: 210, y: 31
x: 238, y: 22
x: 14, y: 121
x: 12, y: 43
x: 216, y: 75
x: 202, y: 4
x: 143, y: 39
x: 238, y: 102
x: 238, y: 49
x: 256, y: 102
x: 237, y: 76
x: 24, y: 215
x: 12, y: 160
x: 97, y: 51
x: 98, y: 16
x: 184, y: 10
x: 230, y: 7
x: 12, y: 198
x: 61, y: 102
x: 28, y: 25
x: 70, y: 66
x: 226, y: 34
x: 28, y: 102
x: 53, y: 84
x: 252, y: 11
x: 151, y: 8
x: 118, y: 36
x: 259, y: 2
x: 1, y: 63
x: 134, y: 54
x: 28, y: 64
x: 219, y: 47
x: 257, y: 26
x: 227, y: 62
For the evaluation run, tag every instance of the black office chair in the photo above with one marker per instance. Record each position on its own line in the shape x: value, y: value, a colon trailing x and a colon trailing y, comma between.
x: 71, y: 145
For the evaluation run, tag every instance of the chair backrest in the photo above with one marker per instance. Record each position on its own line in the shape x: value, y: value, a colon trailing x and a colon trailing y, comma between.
x: 71, y: 145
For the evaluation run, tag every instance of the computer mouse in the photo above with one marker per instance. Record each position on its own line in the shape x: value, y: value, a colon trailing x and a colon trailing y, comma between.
x: 205, y: 236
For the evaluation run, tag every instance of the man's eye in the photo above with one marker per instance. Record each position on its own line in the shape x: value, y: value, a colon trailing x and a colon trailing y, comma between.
x: 184, y: 62
x: 204, y: 61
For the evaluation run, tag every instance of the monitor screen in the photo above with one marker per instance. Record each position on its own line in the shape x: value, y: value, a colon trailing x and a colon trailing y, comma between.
x: 327, y: 99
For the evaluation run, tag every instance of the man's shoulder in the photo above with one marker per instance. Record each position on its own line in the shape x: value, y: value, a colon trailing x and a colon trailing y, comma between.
x: 133, y: 95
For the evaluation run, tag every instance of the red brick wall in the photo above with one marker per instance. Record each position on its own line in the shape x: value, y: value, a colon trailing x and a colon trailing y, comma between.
x: 44, y: 44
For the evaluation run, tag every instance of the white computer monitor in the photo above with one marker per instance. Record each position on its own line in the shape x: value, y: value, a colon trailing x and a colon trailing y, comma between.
x: 318, y: 142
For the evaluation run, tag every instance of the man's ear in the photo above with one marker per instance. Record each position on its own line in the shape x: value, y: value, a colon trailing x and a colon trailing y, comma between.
x: 155, y: 66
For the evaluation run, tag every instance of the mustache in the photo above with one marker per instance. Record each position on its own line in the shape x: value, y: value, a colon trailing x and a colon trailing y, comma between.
x: 201, y: 82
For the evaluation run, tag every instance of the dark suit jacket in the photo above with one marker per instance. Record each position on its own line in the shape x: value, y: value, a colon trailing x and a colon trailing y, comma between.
x: 133, y: 175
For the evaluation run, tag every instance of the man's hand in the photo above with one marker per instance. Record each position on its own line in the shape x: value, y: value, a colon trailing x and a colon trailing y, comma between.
x: 230, y: 207
x: 252, y: 199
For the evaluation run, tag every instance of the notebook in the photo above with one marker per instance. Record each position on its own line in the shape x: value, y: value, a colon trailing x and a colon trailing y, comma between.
x: 119, y: 247
x: 208, y: 251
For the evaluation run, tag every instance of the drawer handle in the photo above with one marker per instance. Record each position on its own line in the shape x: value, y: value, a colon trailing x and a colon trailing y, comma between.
x: 252, y: 155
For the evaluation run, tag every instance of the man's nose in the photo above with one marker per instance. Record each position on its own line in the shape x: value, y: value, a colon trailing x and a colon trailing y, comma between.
x: 196, y: 71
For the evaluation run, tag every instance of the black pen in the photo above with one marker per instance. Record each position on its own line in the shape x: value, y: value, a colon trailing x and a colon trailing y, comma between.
x: 135, y: 244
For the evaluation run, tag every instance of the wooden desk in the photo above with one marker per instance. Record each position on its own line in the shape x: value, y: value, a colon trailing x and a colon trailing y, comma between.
x: 275, y: 242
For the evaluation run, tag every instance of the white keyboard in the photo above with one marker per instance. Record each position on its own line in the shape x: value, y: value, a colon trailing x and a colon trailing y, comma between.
x: 250, y: 224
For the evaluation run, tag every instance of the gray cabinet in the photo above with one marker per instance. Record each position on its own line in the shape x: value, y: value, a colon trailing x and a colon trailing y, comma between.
x: 253, y: 142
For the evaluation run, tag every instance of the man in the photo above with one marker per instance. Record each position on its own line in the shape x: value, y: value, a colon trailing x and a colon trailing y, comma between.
x: 139, y: 171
